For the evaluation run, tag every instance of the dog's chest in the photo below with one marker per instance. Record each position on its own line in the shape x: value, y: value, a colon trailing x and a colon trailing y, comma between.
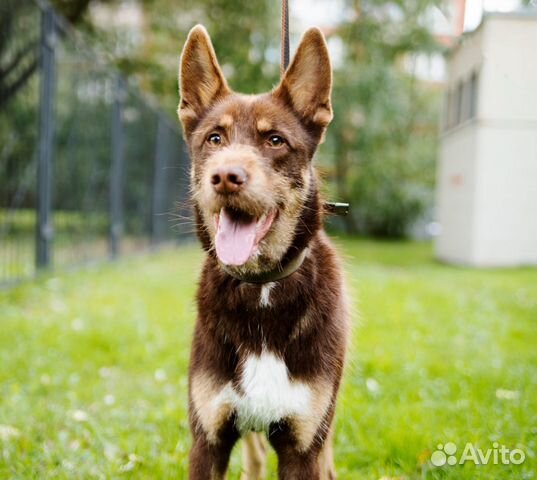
x: 266, y: 393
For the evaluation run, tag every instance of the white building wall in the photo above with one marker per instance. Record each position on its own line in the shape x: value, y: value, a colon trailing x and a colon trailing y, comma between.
x: 509, y: 70
x: 487, y: 175
x: 506, y: 197
x: 457, y: 175
x: 456, y: 197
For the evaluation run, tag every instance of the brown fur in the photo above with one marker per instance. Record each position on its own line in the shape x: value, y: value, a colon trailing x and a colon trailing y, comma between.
x: 301, y: 319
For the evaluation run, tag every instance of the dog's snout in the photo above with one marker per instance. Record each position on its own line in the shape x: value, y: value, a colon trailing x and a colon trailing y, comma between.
x: 228, y: 180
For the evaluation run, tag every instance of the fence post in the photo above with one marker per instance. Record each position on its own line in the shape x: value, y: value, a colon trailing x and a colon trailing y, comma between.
x: 116, y: 170
x: 159, y: 181
x: 45, y: 230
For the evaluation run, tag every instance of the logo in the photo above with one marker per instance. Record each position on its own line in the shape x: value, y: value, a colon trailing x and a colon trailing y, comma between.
x: 446, y: 454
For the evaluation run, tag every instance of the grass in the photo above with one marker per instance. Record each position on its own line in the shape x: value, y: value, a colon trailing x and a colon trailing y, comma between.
x: 93, y: 368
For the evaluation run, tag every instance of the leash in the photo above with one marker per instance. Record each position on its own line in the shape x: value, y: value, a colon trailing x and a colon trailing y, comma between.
x: 285, y: 37
x: 335, y: 208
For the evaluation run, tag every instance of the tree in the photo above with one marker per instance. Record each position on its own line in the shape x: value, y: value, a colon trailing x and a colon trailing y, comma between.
x: 19, y: 44
x: 244, y: 34
x: 18, y: 50
x: 383, y: 137
x: 380, y: 148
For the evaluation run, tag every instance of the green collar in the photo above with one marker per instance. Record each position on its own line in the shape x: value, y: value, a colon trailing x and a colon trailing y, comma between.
x: 278, y: 273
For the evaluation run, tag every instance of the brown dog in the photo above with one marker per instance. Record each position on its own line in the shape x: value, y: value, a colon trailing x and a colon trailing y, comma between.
x: 270, y: 338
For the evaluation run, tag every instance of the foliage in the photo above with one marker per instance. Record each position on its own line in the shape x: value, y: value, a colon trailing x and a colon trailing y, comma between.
x: 19, y: 33
x: 244, y: 35
x: 383, y: 136
x: 93, y: 368
x: 380, y: 149
x: 18, y: 46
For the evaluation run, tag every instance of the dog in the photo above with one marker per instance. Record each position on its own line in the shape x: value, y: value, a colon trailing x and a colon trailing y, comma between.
x: 269, y: 343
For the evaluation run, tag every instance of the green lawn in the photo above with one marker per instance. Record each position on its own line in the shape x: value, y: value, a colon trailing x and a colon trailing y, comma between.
x: 93, y: 368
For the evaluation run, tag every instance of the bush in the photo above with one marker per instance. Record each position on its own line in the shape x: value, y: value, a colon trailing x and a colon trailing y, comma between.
x: 384, y: 204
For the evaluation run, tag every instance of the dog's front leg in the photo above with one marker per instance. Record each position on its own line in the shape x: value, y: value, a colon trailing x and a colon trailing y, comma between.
x: 326, y: 460
x: 296, y: 462
x: 209, y: 460
x: 212, y: 425
x: 293, y: 465
x: 298, y: 467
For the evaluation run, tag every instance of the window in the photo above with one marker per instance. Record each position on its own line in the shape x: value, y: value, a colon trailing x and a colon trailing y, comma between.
x: 473, y: 94
x: 447, y: 110
x: 461, y: 102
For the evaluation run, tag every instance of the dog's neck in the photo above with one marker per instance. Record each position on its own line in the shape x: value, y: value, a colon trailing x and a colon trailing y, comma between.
x: 279, y: 273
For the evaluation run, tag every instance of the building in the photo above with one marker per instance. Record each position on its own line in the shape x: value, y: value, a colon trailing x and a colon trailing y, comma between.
x: 487, y: 174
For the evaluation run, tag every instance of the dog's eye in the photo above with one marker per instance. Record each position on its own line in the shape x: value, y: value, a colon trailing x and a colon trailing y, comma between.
x: 214, y: 139
x: 276, y: 141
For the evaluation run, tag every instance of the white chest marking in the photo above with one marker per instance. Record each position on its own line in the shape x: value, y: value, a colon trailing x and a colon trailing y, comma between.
x: 264, y: 298
x: 269, y: 394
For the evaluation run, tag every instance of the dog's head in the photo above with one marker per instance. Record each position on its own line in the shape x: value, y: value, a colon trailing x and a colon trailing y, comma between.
x: 252, y: 178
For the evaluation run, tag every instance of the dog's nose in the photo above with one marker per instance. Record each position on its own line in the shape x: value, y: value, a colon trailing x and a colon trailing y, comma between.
x: 229, y: 179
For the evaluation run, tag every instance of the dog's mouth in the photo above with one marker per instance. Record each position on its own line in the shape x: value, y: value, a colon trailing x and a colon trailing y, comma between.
x: 238, y: 234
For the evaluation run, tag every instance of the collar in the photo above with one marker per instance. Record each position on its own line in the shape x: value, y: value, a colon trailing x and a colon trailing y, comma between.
x: 278, y: 273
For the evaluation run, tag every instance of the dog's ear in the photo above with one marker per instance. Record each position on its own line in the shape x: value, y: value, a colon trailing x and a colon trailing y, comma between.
x: 307, y: 82
x: 201, y: 81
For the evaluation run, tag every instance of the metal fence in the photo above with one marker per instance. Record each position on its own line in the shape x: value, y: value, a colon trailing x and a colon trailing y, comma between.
x: 89, y: 168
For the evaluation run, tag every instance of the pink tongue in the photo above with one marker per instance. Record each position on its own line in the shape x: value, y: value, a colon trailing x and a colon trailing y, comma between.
x: 234, y: 240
